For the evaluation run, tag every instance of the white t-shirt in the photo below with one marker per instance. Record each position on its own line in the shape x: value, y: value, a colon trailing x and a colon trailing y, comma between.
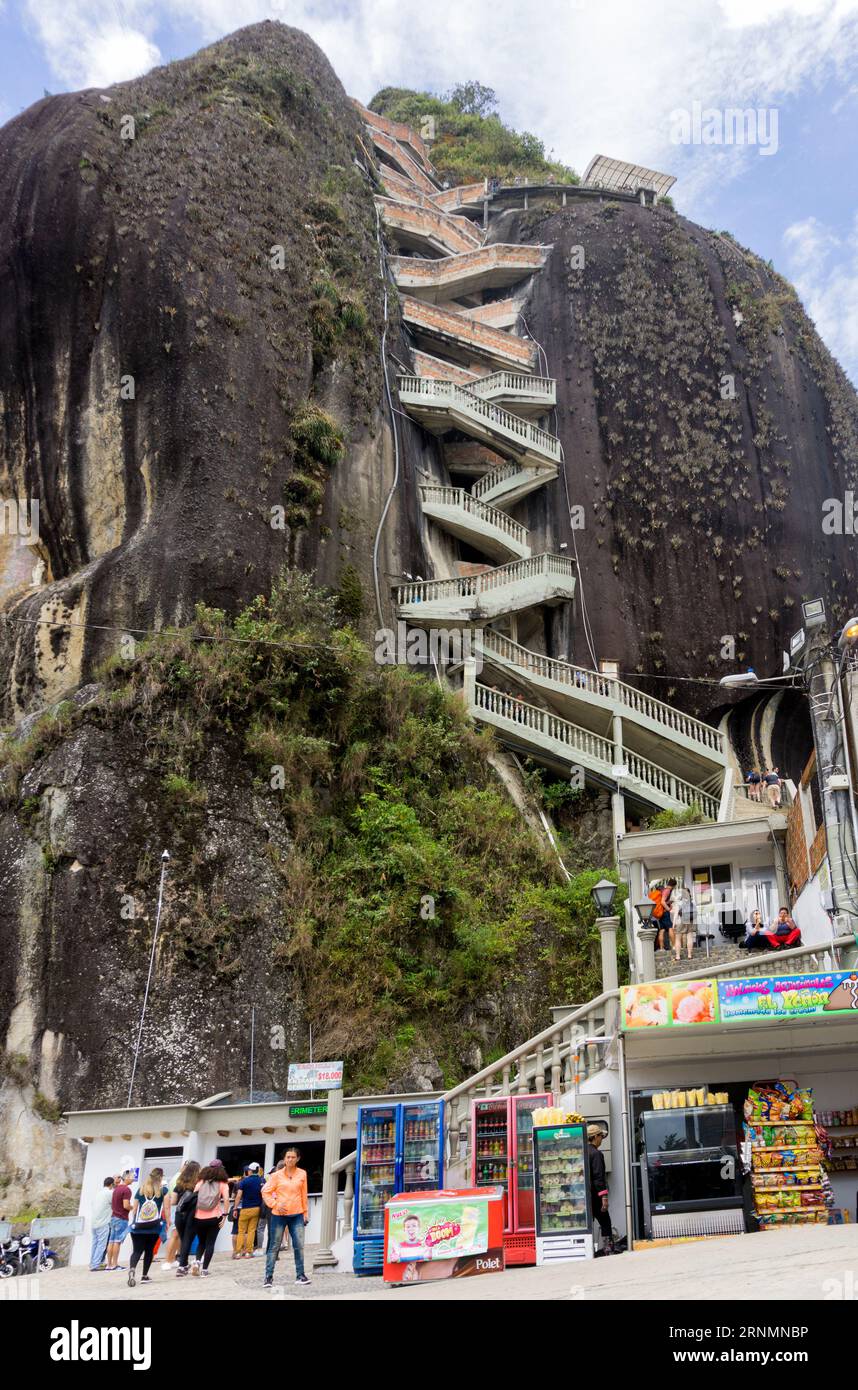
x: 102, y: 1209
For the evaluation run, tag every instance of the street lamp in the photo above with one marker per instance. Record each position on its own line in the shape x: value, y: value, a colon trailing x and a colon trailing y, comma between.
x: 645, y: 910
x: 603, y: 894
x: 849, y: 636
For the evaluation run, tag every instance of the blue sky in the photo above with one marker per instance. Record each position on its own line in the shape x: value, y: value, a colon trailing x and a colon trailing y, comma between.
x: 587, y: 76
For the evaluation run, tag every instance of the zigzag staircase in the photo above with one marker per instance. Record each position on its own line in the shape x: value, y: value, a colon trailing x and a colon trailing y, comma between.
x: 474, y: 386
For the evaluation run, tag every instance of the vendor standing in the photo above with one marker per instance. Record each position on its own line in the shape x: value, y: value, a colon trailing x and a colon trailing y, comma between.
x: 599, y: 1186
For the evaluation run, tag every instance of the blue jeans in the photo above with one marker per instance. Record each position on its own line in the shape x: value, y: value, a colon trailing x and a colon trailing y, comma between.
x: 99, y: 1246
x: 296, y: 1233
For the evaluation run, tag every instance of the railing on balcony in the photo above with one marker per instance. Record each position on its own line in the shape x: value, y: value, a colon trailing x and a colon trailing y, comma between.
x: 430, y: 392
x: 470, y: 586
x: 532, y: 477
x: 439, y: 495
x: 550, y: 730
x: 541, y: 389
x: 577, y: 678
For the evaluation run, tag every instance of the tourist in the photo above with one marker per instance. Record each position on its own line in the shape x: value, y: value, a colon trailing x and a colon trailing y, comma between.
x: 755, y: 933
x: 249, y: 1205
x: 151, y: 1202
x: 682, y: 924
x: 100, y: 1214
x: 773, y: 786
x: 599, y: 1186
x: 286, y: 1194
x: 784, y: 933
x: 754, y: 781
x: 212, y: 1194
x: 183, y: 1206
x: 120, y: 1205
x: 665, y: 919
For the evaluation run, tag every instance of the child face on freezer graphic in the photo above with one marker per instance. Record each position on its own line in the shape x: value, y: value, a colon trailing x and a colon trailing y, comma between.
x: 412, y: 1231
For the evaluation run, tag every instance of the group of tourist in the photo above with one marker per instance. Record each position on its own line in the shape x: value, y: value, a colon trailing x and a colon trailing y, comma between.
x: 673, y: 918
x: 188, y: 1213
x: 769, y: 781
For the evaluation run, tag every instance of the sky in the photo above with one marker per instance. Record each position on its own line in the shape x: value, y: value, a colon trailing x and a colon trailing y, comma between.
x: 652, y: 81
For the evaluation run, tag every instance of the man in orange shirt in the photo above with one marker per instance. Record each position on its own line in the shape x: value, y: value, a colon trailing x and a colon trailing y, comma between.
x: 286, y: 1194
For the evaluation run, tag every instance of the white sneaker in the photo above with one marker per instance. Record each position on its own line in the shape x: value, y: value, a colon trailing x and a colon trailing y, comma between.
x: 167, y: 1264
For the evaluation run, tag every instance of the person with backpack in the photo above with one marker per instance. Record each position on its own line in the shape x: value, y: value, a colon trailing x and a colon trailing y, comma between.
x: 151, y: 1198
x: 665, y: 923
x: 212, y: 1193
x: 773, y: 786
x: 184, y: 1206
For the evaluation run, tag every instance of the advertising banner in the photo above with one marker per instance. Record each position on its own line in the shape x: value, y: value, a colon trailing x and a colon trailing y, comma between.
x: 437, y: 1231
x: 789, y: 996
x: 669, y: 1004
x: 315, y: 1076
x: 685, y: 1003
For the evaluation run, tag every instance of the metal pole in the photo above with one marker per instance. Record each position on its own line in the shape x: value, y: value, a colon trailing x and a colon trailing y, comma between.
x: 330, y: 1182
x: 165, y: 859
x: 626, y: 1137
x: 312, y: 1077
x: 252, y: 1041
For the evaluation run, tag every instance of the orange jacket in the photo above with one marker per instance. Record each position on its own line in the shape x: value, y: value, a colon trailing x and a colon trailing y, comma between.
x: 285, y: 1195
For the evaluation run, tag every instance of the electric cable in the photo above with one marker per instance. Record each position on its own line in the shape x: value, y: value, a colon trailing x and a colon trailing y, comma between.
x: 387, y: 391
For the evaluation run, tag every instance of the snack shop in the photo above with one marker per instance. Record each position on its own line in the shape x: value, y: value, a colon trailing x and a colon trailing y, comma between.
x: 739, y: 1102
x: 734, y: 1105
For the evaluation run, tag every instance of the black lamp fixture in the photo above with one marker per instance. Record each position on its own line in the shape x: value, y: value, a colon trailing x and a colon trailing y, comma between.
x: 645, y: 910
x: 603, y: 894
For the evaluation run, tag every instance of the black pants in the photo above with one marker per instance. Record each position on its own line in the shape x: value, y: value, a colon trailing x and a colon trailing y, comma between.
x: 206, y: 1232
x: 603, y: 1218
x: 143, y: 1245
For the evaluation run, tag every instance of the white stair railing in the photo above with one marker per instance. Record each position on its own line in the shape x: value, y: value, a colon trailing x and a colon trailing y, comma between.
x: 470, y: 586
x: 429, y: 391
x: 435, y: 494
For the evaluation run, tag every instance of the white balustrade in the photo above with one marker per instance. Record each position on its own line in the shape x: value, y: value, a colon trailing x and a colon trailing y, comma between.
x: 430, y: 391
x: 439, y: 495
x: 426, y: 590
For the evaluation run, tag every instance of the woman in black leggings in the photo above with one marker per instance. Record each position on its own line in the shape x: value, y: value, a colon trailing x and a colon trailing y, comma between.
x: 150, y: 1200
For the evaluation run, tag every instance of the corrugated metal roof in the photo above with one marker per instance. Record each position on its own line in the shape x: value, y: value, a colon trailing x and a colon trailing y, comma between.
x: 604, y: 172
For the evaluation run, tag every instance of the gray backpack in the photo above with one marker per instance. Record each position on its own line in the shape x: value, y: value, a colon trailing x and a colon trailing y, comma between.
x: 208, y: 1196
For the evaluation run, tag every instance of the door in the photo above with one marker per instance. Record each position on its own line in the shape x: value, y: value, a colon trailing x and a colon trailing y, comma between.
x: 490, y: 1148
x: 523, y: 1205
x: 376, y: 1167
x: 759, y: 890
x: 421, y: 1147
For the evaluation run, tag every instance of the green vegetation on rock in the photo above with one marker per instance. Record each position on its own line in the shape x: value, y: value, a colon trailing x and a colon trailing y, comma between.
x: 470, y: 141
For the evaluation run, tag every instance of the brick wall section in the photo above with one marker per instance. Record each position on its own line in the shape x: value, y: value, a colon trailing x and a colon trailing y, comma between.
x: 465, y: 331
x: 800, y: 864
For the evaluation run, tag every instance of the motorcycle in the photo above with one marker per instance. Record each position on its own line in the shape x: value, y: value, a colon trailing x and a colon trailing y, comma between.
x: 48, y: 1258
x: 20, y: 1257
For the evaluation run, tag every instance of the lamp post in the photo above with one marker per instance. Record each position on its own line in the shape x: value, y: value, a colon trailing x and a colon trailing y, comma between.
x: 646, y: 936
x: 603, y: 894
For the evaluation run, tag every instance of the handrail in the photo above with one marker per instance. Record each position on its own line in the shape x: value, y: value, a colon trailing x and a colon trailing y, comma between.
x: 606, y: 687
x: 501, y: 475
x: 397, y: 151
x: 348, y: 1161
x: 521, y: 383
x: 482, y: 511
x: 551, y: 727
x: 470, y: 332
x: 432, y: 389
x: 448, y: 226
x: 547, y: 1035
x: 768, y: 963
x: 529, y: 258
x: 468, y: 586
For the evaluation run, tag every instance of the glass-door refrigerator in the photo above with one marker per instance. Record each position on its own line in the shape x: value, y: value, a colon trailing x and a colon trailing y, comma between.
x: 399, y: 1150
x: 502, y: 1156
x: 422, y: 1148
x: 564, y: 1220
x: 692, y: 1171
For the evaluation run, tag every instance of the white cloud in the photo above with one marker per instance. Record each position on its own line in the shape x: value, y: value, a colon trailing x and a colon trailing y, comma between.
x: 824, y: 269
x: 92, y: 43
x: 587, y: 77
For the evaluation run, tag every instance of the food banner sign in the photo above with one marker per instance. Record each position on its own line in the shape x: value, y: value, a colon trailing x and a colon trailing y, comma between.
x: 684, y: 1003
x: 669, y: 1004
x: 436, y: 1230
x: 789, y: 996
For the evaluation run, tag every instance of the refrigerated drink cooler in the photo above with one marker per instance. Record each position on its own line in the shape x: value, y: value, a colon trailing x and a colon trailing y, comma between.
x: 564, y: 1218
x: 400, y: 1149
x: 502, y: 1156
x: 688, y: 1187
